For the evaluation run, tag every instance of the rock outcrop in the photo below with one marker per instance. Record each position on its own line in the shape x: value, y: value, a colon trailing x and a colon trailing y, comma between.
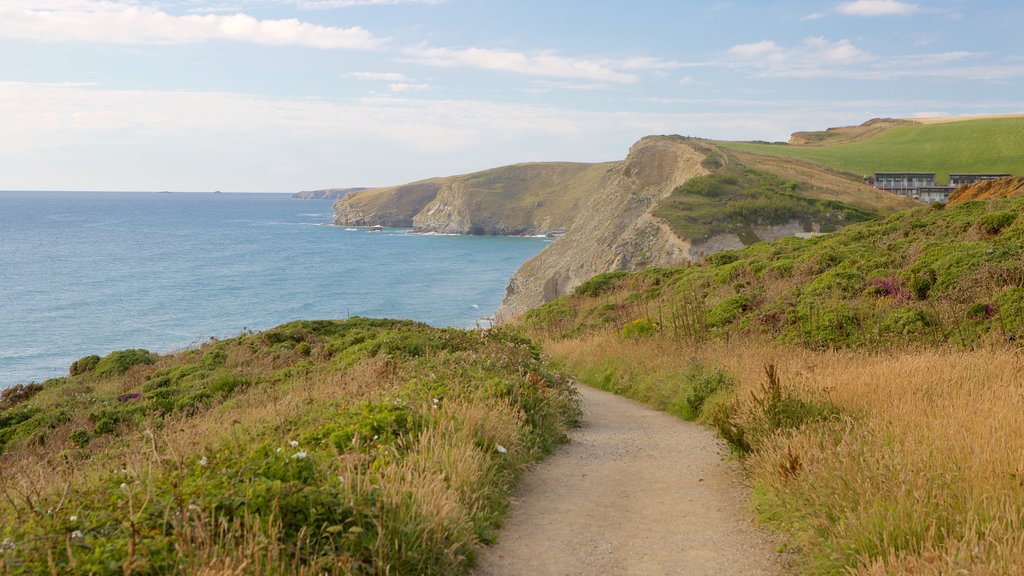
x: 523, y: 199
x: 1001, y: 188
x: 325, y: 194
x: 615, y: 230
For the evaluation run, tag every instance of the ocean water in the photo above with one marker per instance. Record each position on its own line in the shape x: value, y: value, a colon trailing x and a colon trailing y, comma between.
x: 87, y: 273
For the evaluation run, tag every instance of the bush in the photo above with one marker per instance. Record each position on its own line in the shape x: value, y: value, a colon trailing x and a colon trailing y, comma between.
x: 703, y: 384
x: 600, y: 284
x: 18, y: 393
x: 640, y: 328
x: 83, y: 365
x: 80, y: 437
x: 728, y: 310
x: 995, y: 223
x: 117, y: 363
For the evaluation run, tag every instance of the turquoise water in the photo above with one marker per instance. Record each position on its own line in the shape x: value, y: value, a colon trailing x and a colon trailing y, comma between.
x: 87, y: 273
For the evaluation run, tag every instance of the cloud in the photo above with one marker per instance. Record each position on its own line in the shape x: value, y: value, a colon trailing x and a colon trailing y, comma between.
x: 408, y: 87
x: 816, y: 57
x: 877, y: 8
x: 814, y: 16
x: 326, y: 4
x: 542, y: 64
x: 124, y: 23
x: 379, y: 76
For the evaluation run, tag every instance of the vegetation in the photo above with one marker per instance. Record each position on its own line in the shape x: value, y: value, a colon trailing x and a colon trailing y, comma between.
x: 986, y: 145
x: 868, y: 380
x: 736, y: 199
x: 358, y: 446
x: 919, y: 276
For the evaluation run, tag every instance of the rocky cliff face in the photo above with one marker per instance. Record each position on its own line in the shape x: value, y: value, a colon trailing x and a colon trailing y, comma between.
x: 325, y: 194
x: 615, y: 230
x: 522, y: 199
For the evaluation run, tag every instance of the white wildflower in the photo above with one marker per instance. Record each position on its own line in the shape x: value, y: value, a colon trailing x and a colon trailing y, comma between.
x: 341, y: 479
x: 193, y: 508
x: 77, y: 534
x: 299, y: 455
x: 124, y: 486
x: 294, y: 443
x: 73, y: 518
x: 375, y: 436
x: 203, y: 461
x: 501, y: 449
x: 6, y: 544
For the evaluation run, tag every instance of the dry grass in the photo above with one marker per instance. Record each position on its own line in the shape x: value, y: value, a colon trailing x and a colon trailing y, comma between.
x: 923, y: 474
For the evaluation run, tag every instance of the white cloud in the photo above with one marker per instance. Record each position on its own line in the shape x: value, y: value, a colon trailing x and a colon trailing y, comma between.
x: 814, y: 16
x: 325, y: 4
x: 542, y: 64
x: 817, y: 56
x: 379, y: 76
x: 408, y: 87
x: 877, y: 8
x: 125, y: 23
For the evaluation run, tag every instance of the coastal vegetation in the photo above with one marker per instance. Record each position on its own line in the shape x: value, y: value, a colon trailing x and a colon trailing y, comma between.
x: 357, y: 446
x: 979, y: 145
x: 868, y: 380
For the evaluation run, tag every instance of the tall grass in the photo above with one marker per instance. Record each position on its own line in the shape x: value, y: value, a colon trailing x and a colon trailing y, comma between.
x: 914, y: 467
x: 356, y: 447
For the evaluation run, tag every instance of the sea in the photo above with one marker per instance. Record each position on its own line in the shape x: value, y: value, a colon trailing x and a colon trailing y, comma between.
x: 88, y: 272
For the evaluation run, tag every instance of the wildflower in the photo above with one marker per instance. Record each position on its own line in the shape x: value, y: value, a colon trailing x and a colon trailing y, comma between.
x: 341, y: 479
x: 193, y: 508
x: 124, y: 486
x: 6, y: 544
x: 77, y: 534
x: 294, y: 443
x: 299, y: 455
x: 375, y: 436
x: 73, y: 518
x: 203, y: 461
x: 279, y: 450
x: 501, y: 449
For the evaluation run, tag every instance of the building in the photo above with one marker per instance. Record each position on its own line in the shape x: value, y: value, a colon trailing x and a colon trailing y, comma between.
x: 957, y: 180
x: 934, y: 193
x: 903, y: 183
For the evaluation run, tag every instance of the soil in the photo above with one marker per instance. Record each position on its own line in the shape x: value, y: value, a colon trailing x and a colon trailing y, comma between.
x: 636, y: 491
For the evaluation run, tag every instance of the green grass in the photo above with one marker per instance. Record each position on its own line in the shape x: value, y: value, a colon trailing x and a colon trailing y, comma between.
x: 332, y: 447
x: 987, y: 145
x: 735, y: 199
x: 927, y: 276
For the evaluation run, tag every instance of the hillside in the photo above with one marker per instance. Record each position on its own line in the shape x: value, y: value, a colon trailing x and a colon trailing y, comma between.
x: 522, y: 199
x: 990, y: 144
x: 927, y: 275
x: 1002, y: 188
x: 675, y: 200
x: 324, y: 447
x: 325, y: 194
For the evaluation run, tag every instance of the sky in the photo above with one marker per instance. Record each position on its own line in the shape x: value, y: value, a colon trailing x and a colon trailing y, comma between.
x: 286, y: 95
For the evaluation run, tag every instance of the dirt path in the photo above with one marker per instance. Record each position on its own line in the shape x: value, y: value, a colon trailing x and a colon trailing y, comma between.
x: 635, y: 492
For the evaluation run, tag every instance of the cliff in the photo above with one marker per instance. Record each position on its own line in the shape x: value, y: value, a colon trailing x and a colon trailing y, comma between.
x: 676, y: 200
x: 326, y: 194
x: 522, y: 199
x: 1002, y: 188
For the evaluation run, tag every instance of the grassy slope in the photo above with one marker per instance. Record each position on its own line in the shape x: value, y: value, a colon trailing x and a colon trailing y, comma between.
x: 358, y: 446
x: 518, y: 196
x: 747, y: 190
x: 986, y: 145
x: 886, y: 440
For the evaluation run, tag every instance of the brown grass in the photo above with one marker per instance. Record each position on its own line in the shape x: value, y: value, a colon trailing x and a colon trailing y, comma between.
x: 924, y: 474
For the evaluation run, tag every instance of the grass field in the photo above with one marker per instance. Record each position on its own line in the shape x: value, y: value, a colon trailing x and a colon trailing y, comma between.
x: 985, y: 145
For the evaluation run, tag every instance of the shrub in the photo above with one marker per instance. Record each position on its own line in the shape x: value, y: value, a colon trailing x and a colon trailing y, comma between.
x: 18, y: 393
x: 921, y: 284
x: 640, y: 328
x: 704, y: 383
x: 380, y: 423
x: 83, y: 365
x: 995, y: 222
x: 600, y: 284
x: 728, y: 310
x: 80, y: 437
x: 907, y: 321
x: 117, y: 363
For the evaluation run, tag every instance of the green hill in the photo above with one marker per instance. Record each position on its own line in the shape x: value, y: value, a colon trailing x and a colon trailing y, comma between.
x: 926, y: 275
x: 981, y: 145
x: 361, y: 446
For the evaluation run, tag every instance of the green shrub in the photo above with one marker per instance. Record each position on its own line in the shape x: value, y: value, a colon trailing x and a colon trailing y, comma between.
x: 224, y: 385
x: 83, y: 365
x: 600, y: 284
x: 995, y: 222
x: 704, y: 383
x: 117, y: 363
x: 640, y: 328
x: 921, y: 284
x: 80, y: 437
x: 728, y: 310
x: 375, y: 423
x: 907, y: 321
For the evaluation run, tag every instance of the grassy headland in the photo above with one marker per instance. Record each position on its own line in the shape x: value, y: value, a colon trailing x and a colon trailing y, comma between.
x: 359, y: 446
x: 983, y: 145
x: 868, y: 379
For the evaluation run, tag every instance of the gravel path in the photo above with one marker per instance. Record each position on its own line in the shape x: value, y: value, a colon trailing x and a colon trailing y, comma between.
x: 635, y: 492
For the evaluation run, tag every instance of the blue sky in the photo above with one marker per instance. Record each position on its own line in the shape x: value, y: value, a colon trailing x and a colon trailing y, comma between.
x: 283, y: 95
